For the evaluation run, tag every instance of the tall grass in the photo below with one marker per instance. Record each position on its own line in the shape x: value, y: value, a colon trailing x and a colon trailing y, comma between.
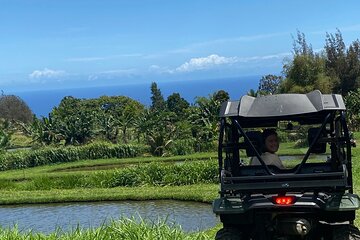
x: 160, y: 175
x: 151, y: 174
x: 129, y: 229
x: 33, y: 158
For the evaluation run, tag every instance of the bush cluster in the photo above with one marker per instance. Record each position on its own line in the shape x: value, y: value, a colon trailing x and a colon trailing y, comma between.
x: 49, y: 155
x: 182, y: 147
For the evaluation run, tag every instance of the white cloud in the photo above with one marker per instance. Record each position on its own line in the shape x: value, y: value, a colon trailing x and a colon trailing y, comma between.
x: 46, y: 73
x: 93, y: 77
x: 154, y: 67
x: 159, y: 69
x: 215, y: 61
x: 205, y: 63
x: 263, y: 58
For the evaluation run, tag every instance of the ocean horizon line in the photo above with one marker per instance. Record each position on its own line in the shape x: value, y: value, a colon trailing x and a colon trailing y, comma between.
x: 41, y: 102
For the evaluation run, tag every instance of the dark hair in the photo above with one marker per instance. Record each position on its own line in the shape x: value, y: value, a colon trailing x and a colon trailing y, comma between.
x: 268, y: 132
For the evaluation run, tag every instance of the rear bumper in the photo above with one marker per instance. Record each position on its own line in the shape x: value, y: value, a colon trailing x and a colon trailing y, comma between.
x: 308, y: 202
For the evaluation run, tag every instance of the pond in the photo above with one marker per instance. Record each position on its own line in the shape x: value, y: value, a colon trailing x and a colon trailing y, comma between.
x: 45, y: 218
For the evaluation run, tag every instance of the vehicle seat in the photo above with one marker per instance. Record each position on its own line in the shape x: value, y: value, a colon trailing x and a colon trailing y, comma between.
x: 257, y: 140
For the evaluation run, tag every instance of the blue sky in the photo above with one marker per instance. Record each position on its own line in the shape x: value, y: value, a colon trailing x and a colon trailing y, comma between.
x: 48, y: 44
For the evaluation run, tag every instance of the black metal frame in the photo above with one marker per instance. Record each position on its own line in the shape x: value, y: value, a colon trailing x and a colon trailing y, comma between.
x: 296, y: 180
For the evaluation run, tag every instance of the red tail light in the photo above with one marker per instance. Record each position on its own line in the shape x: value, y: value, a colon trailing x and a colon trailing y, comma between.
x: 284, y: 200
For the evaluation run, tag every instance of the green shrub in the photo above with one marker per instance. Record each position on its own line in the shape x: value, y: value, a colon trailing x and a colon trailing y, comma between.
x: 166, y: 174
x: 206, y: 146
x: 283, y: 136
x: 182, y: 147
x: 128, y: 177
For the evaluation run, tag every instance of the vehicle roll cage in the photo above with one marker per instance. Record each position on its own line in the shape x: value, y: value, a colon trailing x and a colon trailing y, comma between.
x: 337, y: 141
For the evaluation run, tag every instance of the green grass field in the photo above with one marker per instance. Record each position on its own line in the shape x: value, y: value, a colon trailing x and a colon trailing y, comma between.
x: 11, y: 193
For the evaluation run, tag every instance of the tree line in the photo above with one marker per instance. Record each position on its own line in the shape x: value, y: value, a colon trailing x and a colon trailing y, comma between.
x: 167, y: 126
x: 173, y: 125
x: 333, y: 69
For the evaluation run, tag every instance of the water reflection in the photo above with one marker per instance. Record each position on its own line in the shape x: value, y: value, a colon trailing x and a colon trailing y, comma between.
x: 46, y: 218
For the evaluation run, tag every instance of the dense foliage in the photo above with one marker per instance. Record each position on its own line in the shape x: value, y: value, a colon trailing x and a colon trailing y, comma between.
x: 335, y: 69
x: 352, y: 101
x: 168, y: 127
x: 13, y: 108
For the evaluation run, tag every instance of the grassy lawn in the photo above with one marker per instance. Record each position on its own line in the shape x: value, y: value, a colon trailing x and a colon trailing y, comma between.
x: 199, y: 192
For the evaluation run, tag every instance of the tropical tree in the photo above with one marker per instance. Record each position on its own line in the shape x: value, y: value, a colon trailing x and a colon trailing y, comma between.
x: 221, y: 96
x: 205, y: 118
x: 107, y: 126
x: 13, y: 108
x: 114, y: 115
x: 131, y: 111
x: 178, y: 105
x: 335, y: 50
x: 4, y: 139
x: 306, y: 71
x: 76, y: 129
x: 342, y: 64
x: 157, y: 99
x: 73, y: 121
x: 44, y: 131
x: 269, y: 84
x: 252, y: 93
x: 158, y: 130
x: 352, y: 101
x: 6, y: 131
x: 351, y: 80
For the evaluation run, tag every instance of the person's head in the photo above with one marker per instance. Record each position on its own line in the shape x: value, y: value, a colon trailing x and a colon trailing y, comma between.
x: 271, y: 141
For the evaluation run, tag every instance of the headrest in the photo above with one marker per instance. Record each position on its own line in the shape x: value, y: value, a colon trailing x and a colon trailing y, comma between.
x: 319, y: 147
x: 256, y: 139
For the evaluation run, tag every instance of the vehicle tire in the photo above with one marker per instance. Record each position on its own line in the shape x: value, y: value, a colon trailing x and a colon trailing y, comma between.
x: 345, y: 232
x: 229, y: 234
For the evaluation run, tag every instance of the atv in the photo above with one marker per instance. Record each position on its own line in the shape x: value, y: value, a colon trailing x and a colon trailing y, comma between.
x: 312, y: 198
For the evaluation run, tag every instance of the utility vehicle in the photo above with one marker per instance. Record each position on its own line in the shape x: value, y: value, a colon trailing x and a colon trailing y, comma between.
x: 311, y: 198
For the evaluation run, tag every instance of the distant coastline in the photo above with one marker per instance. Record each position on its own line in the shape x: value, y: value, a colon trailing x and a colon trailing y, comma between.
x: 42, y: 102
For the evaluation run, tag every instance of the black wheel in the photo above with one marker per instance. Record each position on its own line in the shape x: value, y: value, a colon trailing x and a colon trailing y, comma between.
x: 320, y: 231
x: 229, y: 234
x: 345, y: 232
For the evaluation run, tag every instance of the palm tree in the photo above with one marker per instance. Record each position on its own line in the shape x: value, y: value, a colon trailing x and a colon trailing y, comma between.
x: 252, y: 93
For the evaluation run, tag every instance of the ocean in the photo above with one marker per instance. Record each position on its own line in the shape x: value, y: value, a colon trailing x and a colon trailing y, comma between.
x: 42, y: 102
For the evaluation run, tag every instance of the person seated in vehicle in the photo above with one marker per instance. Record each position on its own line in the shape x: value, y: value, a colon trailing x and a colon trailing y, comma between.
x: 271, y: 146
